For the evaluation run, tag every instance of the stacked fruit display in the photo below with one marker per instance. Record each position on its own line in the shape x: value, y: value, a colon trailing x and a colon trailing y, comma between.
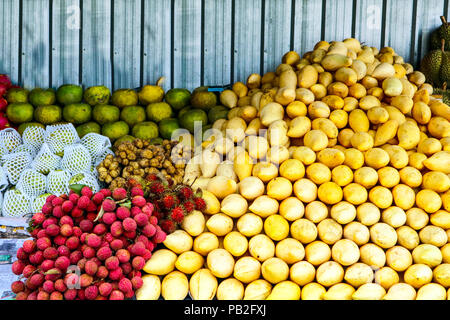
x: 43, y: 162
x: 5, y: 85
x: 148, y: 114
x: 87, y: 246
x: 329, y: 179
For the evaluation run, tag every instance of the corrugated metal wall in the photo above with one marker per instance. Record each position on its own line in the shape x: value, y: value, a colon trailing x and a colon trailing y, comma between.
x: 128, y: 43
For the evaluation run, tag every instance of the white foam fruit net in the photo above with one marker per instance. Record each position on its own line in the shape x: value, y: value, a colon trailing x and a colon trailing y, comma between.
x: 4, y: 183
x: 38, y: 202
x: 15, y: 204
x: 86, y: 179
x: 76, y: 158
x: 1, y: 203
x: 95, y: 143
x: 28, y: 148
x: 58, y: 182
x: 34, y: 136
x: 32, y: 183
x: 9, y: 140
x: 59, y: 136
x: 15, y: 164
x: 45, y: 161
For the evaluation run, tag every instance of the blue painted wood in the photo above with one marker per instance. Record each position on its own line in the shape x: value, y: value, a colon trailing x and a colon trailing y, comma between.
x: 96, y: 33
x: 36, y: 43
x: 127, y: 43
x: 247, y: 39
x: 9, y: 37
x: 338, y: 20
x: 277, y: 31
x: 399, y: 27
x: 261, y: 35
x: 66, y: 42
x: 157, y: 47
x: 217, y: 42
x: 187, y: 44
x: 368, y: 22
x: 308, y: 25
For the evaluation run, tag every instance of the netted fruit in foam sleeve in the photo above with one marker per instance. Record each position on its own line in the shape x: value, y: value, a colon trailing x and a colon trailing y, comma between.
x: 59, y: 136
x: 34, y: 135
x: 45, y: 161
x: 85, y: 178
x: 15, y: 204
x: 76, y: 158
x: 4, y: 183
x: 32, y: 183
x: 58, y: 182
x: 14, y: 164
x: 95, y: 143
x: 9, y: 140
x: 26, y: 148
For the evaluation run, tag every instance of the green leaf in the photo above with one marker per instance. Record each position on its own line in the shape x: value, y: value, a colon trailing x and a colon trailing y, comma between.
x: 77, y: 188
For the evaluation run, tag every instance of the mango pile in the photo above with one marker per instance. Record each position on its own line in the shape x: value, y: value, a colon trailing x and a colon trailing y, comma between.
x: 329, y: 179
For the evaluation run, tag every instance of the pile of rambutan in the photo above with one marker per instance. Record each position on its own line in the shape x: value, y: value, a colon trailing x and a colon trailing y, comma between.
x: 88, y: 246
x: 5, y: 85
x: 172, y: 202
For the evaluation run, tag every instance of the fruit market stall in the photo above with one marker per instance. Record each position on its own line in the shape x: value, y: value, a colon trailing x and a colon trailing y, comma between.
x: 325, y: 176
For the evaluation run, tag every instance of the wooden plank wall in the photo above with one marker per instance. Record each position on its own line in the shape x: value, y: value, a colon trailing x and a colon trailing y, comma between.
x: 129, y: 43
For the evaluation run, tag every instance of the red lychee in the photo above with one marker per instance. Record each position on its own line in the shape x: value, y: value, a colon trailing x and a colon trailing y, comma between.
x: 50, y: 253
x: 137, y: 282
x: 57, y: 201
x: 93, y: 240
x: 66, y: 230
x: 138, y: 201
x: 106, y: 192
x: 115, y: 274
x: 75, y: 256
x: 105, y: 289
x: 66, y: 220
x: 83, y: 202
x: 48, y: 286
x: 21, y: 254
x: 138, y: 248
x: 47, y: 265
x: 91, y: 268
x: 76, y: 212
x: 57, y: 212
x: 17, y: 267
x: 60, y: 286
x: 116, y: 295
x: 63, y: 251
x: 67, y: 206
x: 59, y: 240
x: 116, y: 228
x: 108, y: 205
x: 17, y: 286
x: 86, y: 225
x: 72, y: 243
x: 98, y: 198
x: 42, y: 295
x: 123, y: 255
x: 74, y: 198
x: 62, y: 263
x: 27, y: 271
x: 159, y: 236
x: 112, y: 263
x: 102, y: 272
x: 116, y: 244
x: 141, y: 219
x: 135, y: 191
x: 89, y: 252
x: 104, y: 253
x: 138, y: 263
x: 55, y: 295
x: 70, y: 294
x: 125, y: 285
x: 122, y: 213
x: 100, y: 229
x: 52, y: 230
x: 119, y: 194
x: 29, y: 246
x: 86, y: 191
x: 109, y: 217
x: 38, y: 218
x: 85, y: 280
x: 129, y: 224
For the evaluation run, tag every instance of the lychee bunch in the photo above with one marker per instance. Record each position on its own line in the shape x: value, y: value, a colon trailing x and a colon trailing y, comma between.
x: 172, y: 202
x: 87, y: 246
